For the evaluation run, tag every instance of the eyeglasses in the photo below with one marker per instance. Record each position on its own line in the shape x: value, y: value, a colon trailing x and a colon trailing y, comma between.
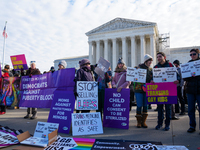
x: 194, y: 54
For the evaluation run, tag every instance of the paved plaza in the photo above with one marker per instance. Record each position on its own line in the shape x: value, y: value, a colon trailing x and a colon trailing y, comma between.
x: 177, y: 135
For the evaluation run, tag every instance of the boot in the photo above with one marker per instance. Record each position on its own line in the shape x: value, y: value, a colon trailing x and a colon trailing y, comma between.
x: 144, y: 118
x: 139, y: 120
x: 34, y: 112
x: 28, y: 114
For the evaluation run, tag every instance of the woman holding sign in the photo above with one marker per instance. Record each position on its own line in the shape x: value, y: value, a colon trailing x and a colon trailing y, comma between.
x: 140, y: 93
x: 193, y: 92
x: 119, y: 79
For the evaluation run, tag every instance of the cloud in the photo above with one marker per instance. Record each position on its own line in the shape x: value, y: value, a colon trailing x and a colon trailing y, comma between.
x: 48, y: 30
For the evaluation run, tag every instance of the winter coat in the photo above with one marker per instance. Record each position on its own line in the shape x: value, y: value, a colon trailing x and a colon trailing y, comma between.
x: 7, y: 72
x: 122, y: 83
x: 84, y: 74
x: 31, y: 72
x: 193, y: 84
x: 138, y: 86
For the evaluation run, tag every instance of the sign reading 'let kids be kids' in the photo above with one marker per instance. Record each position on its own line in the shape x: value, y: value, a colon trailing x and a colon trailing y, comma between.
x: 19, y: 62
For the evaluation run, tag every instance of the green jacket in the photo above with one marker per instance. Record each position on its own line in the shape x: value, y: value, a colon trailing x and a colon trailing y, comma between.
x: 138, y: 86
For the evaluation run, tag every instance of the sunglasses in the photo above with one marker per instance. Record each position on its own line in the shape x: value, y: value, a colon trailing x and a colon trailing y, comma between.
x: 194, y: 54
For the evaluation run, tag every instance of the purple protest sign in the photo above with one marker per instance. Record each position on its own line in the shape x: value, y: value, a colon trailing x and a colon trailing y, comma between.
x: 161, y: 93
x: 61, y: 109
x: 116, y: 108
x: 38, y: 90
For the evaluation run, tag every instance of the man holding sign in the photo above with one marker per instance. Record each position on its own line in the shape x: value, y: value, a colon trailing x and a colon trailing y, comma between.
x: 163, y: 63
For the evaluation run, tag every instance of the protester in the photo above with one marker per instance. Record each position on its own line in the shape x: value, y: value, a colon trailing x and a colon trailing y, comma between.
x: 5, y: 73
x: 119, y: 79
x: 140, y: 93
x: 62, y: 65
x: 193, y: 92
x: 179, y: 90
x: 84, y: 74
x: 32, y: 71
x: 102, y: 84
x: 52, y: 69
x: 162, y: 63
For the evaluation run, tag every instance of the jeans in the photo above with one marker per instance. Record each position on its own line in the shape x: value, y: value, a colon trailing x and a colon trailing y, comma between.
x: 161, y: 114
x: 141, y: 102
x: 192, y: 98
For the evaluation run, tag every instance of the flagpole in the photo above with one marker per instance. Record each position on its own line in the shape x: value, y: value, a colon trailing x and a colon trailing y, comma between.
x: 4, y: 44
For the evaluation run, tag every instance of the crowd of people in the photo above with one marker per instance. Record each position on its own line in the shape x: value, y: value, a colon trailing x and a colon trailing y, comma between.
x: 190, y: 86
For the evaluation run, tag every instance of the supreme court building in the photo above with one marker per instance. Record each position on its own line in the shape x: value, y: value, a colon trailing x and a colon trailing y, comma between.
x: 126, y: 38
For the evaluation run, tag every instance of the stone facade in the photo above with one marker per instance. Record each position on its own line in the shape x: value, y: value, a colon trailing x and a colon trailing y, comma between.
x: 126, y: 38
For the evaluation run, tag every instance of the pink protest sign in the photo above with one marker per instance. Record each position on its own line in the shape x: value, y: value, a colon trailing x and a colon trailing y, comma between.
x: 19, y: 62
x: 161, y: 93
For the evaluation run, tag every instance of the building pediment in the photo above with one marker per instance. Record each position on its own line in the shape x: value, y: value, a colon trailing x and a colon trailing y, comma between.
x: 119, y: 24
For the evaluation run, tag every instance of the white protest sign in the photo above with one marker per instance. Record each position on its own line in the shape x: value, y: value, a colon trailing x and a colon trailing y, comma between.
x: 136, y: 75
x: 190, y: 69
x: 87, y: 98
x: 62, y: 143
x: 44, y: 128
x: 167, y: 74
x: 7, y: 139
x: 86, y: 123
x: 102, y: 67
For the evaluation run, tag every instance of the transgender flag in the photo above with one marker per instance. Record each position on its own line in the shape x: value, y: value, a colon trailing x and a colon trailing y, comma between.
x: 4, y: 32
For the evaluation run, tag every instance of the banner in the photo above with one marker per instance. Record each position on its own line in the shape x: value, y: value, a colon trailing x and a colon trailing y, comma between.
x: 61, y: 109
x: 190, y: 69
x: 86, y: 124
x: 136, y: 75
x: 102, y: 67
x: 168, y: 74
x: 10, y: 92
x: 19, y: 62
x: 87, y: 98
x: 161, y: 93
x: 38, y: 91
x: 116, y: 108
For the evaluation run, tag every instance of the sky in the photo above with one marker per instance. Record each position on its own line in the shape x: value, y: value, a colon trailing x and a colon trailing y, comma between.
x: 46, y: 30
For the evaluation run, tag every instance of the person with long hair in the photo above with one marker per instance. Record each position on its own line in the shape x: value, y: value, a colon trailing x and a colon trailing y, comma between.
x: 193, y: 92
x: 140, y: 93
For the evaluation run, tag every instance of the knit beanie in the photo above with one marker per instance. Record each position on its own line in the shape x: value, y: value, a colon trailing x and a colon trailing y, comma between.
x: 147, y: 57
x: 121, y: 61
x: 84, y: 61
x: 63, y: 63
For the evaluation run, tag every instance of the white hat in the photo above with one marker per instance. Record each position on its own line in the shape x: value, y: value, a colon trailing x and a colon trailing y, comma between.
x: 147, y: 57
x: 63, y: 63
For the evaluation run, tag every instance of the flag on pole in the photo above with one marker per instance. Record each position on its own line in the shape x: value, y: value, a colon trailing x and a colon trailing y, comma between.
x: 4, y: 32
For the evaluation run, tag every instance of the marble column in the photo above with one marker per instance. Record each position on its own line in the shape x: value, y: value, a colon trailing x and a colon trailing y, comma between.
x: 152, y: 48
x: 142, y: 42
x: 97, y: 51
x: 124, y: 49
x: 114, y: 54
x: 90, y: 51
x: 133, y: 52
x: 106, y: 49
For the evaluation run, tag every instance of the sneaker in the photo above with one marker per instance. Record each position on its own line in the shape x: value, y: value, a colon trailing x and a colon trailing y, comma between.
x: 158, y: 127
x: 166, y: 128
x: 1, y: 113
x: 191, y: 130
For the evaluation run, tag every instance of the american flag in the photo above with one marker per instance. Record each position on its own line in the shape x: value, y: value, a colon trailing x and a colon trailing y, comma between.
x: 4, y: 32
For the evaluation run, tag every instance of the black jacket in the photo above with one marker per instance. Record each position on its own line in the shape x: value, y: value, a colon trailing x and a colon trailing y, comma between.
x: 193, y: 84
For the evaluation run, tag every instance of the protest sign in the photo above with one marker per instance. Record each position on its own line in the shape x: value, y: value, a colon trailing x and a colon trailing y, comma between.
x: 40, y: 137
x: 168, y: 74
x: 136, y: 75
x: 61, y: 109
x: 161, y: 93
x: 62, y: 143
x: 19, y: 62
x: 7, y: 139
x: 190, y: 69
x: 116, y: 108
x: 83, y: 143
x: 102, y: 67
x: 10, y: 95
x: 38, y: 91
x: 87, y: 98
x: 86, y: 124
